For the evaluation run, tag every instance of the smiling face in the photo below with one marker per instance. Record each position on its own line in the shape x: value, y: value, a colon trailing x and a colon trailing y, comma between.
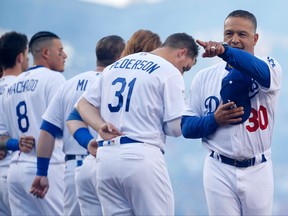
x: 240, y: 33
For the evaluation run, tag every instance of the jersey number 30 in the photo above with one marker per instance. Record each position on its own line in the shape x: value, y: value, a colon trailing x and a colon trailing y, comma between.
x: 119, y: 94
x: 259, y: 119
x: 23, y: 122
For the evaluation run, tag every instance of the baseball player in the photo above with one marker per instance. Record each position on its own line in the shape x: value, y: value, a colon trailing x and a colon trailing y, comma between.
x: 142, y: 95
x: 26, y: 99
x: 14, y: 60
x: 238, y: 175
x: 141, y: 41
x: 108, y: 50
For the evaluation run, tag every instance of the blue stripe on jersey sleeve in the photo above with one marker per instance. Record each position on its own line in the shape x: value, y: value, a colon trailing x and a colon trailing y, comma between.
x: 248, y: 64
x: 74, y: 115
x: 55, y: 131
x: 198, y: 127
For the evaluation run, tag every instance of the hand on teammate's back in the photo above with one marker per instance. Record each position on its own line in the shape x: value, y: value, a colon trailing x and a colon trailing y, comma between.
x: 109, y: 131
x: 92, y: 147
x: 26, y: 143
x: 3, y: 154
x: 40, y: 186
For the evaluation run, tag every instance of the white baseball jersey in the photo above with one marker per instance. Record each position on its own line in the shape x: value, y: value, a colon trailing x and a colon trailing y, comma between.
x: 4, y: 163
x: 4, y: 83
x: 138, y: 94
x: 26, y: 99
x: 63, y: 103
x: 245, y: 140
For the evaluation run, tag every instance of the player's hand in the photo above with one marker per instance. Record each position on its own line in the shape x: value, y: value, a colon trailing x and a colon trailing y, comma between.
x: 26, y: 143
x: 224, y: 115
x: 40, y: 186
x: 212, y: 48
x: 3, y: 154
x: 92, y: 147
x: 108, y: 131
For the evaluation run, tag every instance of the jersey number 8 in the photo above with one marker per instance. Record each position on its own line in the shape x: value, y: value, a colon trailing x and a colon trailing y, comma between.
x: 23, y: 121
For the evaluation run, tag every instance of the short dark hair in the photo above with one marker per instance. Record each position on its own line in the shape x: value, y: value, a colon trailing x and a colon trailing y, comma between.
x: 109, y: 49
x: 41, y: 36
x: 244, y: 14
x: 182, y: 40
x: 11, y: 44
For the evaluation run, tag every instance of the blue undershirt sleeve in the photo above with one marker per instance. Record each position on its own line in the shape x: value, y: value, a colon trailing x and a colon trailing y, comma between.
x: 83, y: 136
x: 12, y: 144
x: 74, y: 115
x: 55, y: 131
x: 198, y: 127
x: 248, y: 64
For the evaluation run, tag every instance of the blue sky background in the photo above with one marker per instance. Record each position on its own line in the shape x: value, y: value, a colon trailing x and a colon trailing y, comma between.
x: 81, y: 24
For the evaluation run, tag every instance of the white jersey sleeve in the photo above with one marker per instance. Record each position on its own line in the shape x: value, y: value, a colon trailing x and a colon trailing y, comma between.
x: 4, y: 83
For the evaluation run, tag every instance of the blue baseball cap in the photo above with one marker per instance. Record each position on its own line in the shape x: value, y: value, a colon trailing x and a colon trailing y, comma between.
x: 235, y: 87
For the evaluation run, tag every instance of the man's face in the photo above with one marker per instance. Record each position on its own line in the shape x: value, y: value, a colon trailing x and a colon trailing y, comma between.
x: 240, y: 33
x: 57, y: 56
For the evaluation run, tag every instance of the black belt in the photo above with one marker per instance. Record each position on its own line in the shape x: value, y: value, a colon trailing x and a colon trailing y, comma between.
x: 238, y: 163
x: 123, y: 140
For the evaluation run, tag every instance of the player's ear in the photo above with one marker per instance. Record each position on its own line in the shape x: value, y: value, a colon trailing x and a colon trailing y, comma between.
x: 256, y: 37
x: 182, y: 52
x: 45, y: 53
x: 20, y: 57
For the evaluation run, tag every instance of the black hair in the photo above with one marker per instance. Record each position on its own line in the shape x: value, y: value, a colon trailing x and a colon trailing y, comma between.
x: 43, y: 35
x: 244, y: 14
x: 109, y: 49
x: 182, y: 40
x: 11, y: 44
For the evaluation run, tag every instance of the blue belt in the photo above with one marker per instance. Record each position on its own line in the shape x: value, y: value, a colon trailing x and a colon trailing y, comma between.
x: 123, y: 140
x: 238, y: 163
x: 79, y: 158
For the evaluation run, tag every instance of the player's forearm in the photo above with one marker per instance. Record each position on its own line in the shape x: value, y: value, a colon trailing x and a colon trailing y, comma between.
x: 198, y: 127
x: 90, y: 114
x: 248, y: 64
x: 45, y: 145
x: 173, y: 127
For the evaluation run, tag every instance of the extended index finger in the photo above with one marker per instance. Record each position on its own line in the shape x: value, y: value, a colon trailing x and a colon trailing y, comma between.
x: 201, y: 43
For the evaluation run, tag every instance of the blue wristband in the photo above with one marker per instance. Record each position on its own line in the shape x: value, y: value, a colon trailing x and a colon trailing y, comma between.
x: 12, y: 144
x: 83, y: 136
x: 42, y: 166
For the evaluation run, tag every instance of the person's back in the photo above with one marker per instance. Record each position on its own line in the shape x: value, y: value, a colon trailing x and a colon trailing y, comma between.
x: 26, y: 100
x: 135, y: 97
x: 58, y: 112
x: 13, y: 60
x: 140, y: 95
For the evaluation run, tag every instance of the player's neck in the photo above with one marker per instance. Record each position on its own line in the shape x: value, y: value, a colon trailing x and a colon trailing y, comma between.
x: 99, y: 69
x: 11, y: 72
